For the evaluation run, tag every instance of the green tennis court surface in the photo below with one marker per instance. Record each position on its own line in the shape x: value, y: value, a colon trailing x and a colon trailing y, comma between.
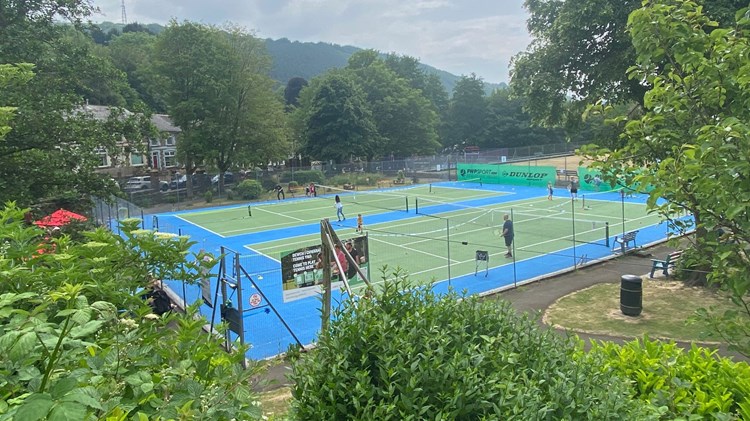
x: 441, y: 241
x: 303, y: 210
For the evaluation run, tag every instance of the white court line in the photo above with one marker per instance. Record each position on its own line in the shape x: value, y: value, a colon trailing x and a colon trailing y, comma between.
x: 199, y: 226
x: 445, y: 267
x: 412, y: 249
x: 279, y: 214
x: 259, y: 253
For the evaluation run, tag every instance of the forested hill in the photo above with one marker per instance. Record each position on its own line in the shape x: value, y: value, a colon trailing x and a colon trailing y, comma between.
x: 309, y: 59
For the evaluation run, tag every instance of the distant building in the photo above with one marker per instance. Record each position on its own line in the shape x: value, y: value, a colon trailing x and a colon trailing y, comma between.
x: 163, y: 150
x: 132, y: 157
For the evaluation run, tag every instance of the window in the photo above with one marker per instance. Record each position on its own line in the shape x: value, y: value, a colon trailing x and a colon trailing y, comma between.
x: 154, y: 143
x: 171, y: 140
x: 136, y: 159
x: 170, y: 160
x: 103, y: 157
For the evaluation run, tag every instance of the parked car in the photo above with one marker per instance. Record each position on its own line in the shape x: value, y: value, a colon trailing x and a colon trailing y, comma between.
x: 181, y: 182
x: 178, y: 183
x: 138, y: 183
x: 228, y: 178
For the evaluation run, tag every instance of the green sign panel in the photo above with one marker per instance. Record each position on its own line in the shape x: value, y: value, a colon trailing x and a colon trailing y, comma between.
x: 507, y: 174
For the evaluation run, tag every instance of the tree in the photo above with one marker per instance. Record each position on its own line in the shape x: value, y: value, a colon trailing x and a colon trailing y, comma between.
x: 692, y: 143
x: 580, y: 53
x: 338, y: 121
x: 406, y: 121
x: 408, y: 68
x: 132, y: 53
x: 507, y: 125
x: 220, y: 96
x: 292, y: 90
x: 11, y: 75
x: 467, y: 113
x: 50, y: 155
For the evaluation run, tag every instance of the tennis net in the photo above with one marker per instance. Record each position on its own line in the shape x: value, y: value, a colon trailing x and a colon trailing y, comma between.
x: 545, y: 221
x: 471, y: 183
x: 368, y: 198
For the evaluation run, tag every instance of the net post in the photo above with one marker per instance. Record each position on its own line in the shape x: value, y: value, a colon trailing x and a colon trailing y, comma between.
x: 606, y: 234
x: 249, y: 210
x: 480, y: 183
x: 583, y: 201
x: 406, y: 199
x: 416, y: 205
x: 430, y: 187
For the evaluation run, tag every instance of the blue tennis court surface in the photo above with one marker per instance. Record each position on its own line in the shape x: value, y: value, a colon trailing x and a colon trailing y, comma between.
x: 434, y: 236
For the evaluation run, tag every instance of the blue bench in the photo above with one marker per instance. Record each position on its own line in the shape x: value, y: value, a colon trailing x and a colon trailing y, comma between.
x: 624, y: 240
x: 666, y: 264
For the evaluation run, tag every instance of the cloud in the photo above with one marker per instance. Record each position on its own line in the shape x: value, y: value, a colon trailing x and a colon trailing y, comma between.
x: 462, y: 37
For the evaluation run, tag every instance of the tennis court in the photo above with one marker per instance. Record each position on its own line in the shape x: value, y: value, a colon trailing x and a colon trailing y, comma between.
x: 432, y: 232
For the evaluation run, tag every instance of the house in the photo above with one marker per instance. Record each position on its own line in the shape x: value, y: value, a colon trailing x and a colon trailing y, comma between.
x: 163, y: 149
x: 130, y: 157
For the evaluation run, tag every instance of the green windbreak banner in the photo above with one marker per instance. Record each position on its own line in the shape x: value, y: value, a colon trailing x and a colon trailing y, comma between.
x: 593, y: 180
x: 507, y: 174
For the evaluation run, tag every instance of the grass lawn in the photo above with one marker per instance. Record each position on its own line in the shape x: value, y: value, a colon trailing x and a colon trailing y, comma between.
x: 667, y: 308
x: 275, y: 403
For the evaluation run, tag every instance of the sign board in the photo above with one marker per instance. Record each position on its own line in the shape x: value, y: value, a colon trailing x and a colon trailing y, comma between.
x: 302, y: 270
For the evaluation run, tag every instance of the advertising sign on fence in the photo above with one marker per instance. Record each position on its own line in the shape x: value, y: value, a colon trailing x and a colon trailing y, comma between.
x: 302, y: 270
x: 507, y: 174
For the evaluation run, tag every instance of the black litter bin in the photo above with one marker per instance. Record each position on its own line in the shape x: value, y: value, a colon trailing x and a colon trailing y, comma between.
x: 631, y: 295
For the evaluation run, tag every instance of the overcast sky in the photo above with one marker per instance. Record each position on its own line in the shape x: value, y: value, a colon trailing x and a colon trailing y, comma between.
x: 459, y: 36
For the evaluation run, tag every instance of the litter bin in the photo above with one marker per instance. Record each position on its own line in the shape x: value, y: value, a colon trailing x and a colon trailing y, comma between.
x: 631, y: 295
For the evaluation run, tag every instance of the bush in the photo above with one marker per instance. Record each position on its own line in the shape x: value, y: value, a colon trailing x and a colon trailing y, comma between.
x: 685, y: 384
x: 75, y: 343
x: 230, y: 194
x: 407, y: 353
x: 209, y: 196
x: 304, y: 177
x: 268, y: 183
x: 357, y: 179
x: 249, y: 189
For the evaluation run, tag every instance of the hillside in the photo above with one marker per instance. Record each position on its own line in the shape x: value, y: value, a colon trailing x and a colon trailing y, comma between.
x: 310, y: 59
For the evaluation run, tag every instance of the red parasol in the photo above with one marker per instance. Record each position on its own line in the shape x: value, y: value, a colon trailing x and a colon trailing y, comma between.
x: 59, y: 218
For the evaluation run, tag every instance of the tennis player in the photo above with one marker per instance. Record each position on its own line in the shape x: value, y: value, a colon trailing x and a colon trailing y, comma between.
x: 573, y: 187
x: 339, y: 209
x: 549, y: 190
x: 360, y: 223
x: 508, y: 234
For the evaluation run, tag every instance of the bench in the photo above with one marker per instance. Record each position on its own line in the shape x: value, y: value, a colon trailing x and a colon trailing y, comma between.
x: 624, y: 240
x: 664, y: 265
x: 567, y: 174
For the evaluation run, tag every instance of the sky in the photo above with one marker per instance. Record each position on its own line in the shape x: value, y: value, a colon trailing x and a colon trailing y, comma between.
x: 458, y: 36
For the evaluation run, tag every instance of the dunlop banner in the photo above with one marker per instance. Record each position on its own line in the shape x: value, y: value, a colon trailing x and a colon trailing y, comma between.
x: 595, y: 181
x: 507, y: 174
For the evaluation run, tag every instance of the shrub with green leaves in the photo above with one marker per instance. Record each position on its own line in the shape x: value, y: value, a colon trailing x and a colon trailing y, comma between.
x: 249, y: 189
x: 355, y: 178
x: 78, y: 342
x: 692, y: 384
x: 304, y: 177
x: 409, y: 354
